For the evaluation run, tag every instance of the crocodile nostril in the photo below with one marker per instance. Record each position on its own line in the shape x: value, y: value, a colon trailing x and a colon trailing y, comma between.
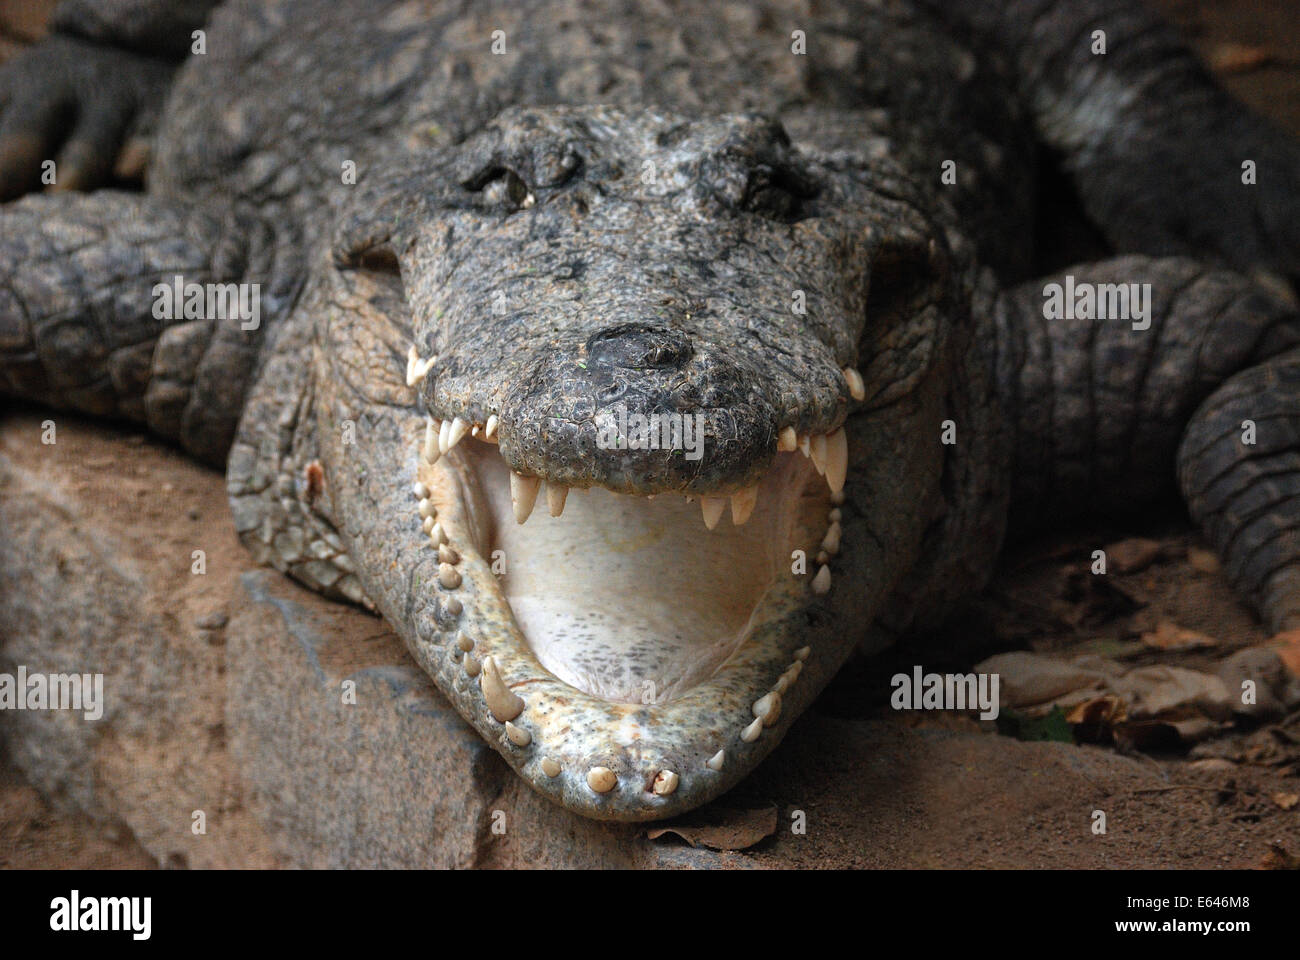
x: 638, y: 346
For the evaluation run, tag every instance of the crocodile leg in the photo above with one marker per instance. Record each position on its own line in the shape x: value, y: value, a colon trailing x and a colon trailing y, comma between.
x: 88, y: 96
x: 1165, y: 160
x: 1099, y: 407
x: 89, y: 320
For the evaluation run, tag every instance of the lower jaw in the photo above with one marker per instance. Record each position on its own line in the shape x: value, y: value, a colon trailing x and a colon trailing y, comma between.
x: 674, y: 725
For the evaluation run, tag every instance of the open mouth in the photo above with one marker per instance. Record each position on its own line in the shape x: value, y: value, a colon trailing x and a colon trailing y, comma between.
x: 618, y: 644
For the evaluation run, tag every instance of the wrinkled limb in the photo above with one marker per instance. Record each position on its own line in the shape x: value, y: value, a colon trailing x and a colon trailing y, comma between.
x: 86, y: 324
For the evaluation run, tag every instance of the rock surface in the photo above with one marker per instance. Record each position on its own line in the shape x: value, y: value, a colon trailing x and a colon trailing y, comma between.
x: 226, y: 693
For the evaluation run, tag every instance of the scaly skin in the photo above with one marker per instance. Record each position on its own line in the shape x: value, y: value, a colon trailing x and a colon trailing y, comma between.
x: 626, y: 208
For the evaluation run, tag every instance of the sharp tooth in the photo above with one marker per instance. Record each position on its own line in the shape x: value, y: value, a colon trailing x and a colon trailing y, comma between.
x: 412, y: 358
x: 518, y: 735
x: 831, y: 542
x: 449, y: 576
x: 857, y: 389
x: 523, y: 494
x: 427, y: 524
x: 751, y: 732
x: 464, y: 642
x: 665, y: 782
x: 804, y: 445
x: 447, y: 554
x: 742, y: 504
x: 601, y: 779
x: 818, y: 452
x: 490, y: 429
x: 835, y: 516
x: 456, y: 432
x: 782, y: 683
x: 768, y: 707
x: 823, y: 557
x: 437, y: 535
x: 550, y: 767
x: 801, y: 654
x: 555, y: 494
x: 837, y: 459
x: 453, y: 606
x: 503, y: 704
x: 716, y: 761
x: 420, y: 490
x: 837, y: 497
x: 712, y: 508
x: 787, y: 440
x: 821, y: 584
x: 471, y: 664
x: 444, y: 432
x: 427, y: 509
x: 474, y: 430
x: 431, y: 451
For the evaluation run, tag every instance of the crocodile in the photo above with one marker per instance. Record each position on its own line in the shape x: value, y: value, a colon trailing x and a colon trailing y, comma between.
x: 639, y: 361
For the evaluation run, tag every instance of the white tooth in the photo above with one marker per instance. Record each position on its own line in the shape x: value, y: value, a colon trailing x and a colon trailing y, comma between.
x: 517, y: 735
x: 453, y: 606
x: 768, y: 707
x: 782, y: 683
x: 464, y: 642
x: 427, y: 524
x: 837, y: 459
x: 490, y: 428
x: 818, y: 452
x: 447, y: 554
x: 742, y: 504
x: 412, y: 358
x: 794, y: 670
x: 420, y: 490
x: 805, y: 445
x: 444, y: 433
x: 474, y: 430
x: 523, y: 494
x: 503, y: 704
x: 431, y: 451
x: 601, y: 779
x: 438, y: 535
x: 471, y: 665
x: 716, y: 761
x: 665, y: 782
x: 751, y: 732
x: 550, y: 767
x: 787, y: 440
x: 712, y: 508
x: 424, y: 366
x: 427, y: 509
x: 449, y: 576
x: 831, y: 542
x: 456, y: 432
x: 857, y: 389
x: 821, y: 584
x: 802, y: 654
x: 555, y: 494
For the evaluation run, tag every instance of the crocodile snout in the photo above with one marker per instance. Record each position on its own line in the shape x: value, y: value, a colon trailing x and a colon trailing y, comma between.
x: 637, y: 346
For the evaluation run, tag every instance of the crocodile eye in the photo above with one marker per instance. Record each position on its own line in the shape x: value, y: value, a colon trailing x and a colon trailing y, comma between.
x: 501, y: 187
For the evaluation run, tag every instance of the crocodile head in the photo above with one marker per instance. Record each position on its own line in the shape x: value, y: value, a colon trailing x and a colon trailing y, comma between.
x: 681, y: 389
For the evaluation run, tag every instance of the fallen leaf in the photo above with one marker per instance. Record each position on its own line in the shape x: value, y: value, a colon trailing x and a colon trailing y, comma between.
x: 1239, y: 58
x: 1133, y: 554
x: 722, y: 828
x: 1286, y: 800
x: 1169, y: 636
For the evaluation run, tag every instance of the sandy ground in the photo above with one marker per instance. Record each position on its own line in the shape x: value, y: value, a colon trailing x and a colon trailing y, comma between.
x: 1229, y: 796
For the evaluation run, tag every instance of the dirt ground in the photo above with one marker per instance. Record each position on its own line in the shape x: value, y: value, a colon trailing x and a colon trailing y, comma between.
x: 1234, y: 796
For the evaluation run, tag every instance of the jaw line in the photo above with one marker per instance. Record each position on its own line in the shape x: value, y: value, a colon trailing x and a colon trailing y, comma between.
x: 572, y: 744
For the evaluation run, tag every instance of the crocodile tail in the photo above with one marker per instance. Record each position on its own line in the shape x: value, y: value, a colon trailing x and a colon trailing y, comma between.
x: 1239, y: 469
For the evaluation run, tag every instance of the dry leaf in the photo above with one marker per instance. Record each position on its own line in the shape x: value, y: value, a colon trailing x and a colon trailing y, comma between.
x: 1169, y: 636
x: 722, y: 828
x: 1286, y: 800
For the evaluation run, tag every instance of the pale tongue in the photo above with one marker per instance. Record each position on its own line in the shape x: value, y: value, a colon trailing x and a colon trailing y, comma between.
x: 634, y: 600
